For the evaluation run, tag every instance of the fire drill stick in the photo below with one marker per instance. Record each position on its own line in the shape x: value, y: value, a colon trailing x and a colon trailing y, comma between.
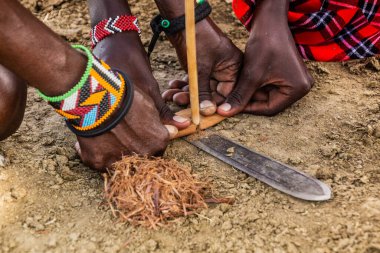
x: 192, y: 67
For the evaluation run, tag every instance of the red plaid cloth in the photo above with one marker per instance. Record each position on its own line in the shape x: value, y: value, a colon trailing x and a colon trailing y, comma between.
x: 328, y: 30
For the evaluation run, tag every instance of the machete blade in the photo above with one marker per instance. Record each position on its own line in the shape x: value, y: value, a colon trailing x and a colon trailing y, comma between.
x: 278, y: 175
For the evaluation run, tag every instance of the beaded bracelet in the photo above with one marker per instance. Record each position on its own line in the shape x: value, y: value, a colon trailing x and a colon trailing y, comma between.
x: 98, y: 102
x: 173, y: 26
x: 111, y: 26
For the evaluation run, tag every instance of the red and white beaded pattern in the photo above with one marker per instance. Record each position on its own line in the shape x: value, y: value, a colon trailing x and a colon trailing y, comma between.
x: 111, y: 26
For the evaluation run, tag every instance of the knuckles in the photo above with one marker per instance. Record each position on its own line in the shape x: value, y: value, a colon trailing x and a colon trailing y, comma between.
x: 236, y: 98
x: 304, y: 87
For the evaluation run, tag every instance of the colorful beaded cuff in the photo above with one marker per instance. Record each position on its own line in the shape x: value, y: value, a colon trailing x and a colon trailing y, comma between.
x: 111, y: 26
x: 102, y: 94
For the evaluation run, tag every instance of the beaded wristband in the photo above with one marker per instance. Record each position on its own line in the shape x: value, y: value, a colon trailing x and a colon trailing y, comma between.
x: 111, y: 26
x: 173, y: 26
x: 101, y: 94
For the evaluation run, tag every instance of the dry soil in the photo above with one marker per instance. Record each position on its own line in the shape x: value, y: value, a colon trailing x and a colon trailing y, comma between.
x: 50, y: 202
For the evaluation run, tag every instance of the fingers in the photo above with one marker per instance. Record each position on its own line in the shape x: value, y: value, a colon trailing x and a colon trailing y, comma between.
x: 272, y: 101
x: 169, y: 94
x: 177, y: 93
x: 225, y: 88
x: 177, y: 84
x: 78, y: 149
x: 173, y: 131
x: 182, y: 98
x: 166, y: 115
x: 169, y: 118
x: 238, y: 98
x: 219, y: 99
x: 207, y: 106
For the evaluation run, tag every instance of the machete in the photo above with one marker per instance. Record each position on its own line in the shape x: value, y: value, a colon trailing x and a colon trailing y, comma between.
x: 265, y: 169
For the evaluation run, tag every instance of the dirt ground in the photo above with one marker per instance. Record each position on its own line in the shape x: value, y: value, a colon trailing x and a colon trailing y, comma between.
x: 50, y: 202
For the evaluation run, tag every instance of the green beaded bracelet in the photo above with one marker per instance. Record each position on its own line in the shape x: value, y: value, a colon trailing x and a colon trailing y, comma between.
x: 81, y: 82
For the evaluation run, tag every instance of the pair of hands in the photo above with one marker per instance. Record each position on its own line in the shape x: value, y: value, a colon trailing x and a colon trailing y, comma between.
x: 266, y: 80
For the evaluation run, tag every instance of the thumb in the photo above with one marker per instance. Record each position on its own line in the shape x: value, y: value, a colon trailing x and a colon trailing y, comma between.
x: 237, y: 99
x: 207, y: 104
x: 78, y: 149
x: 169, y: 118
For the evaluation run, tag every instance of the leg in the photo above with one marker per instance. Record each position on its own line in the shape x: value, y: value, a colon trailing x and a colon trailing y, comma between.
x: 12, y: 102
x: 125, y: 51
x: 45, y: 61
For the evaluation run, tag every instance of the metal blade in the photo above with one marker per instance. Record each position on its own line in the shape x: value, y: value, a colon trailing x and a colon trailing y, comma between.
x: 265, y: 169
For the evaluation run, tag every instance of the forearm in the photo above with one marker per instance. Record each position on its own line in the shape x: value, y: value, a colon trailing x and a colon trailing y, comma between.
x: 35, y: 53
x: 171, y: 8
x: 274, y: 9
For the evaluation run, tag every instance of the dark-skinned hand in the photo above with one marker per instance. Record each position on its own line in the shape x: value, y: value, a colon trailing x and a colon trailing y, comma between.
x: 219, y: 62
x: 141, y: 132
x: 273, y: 76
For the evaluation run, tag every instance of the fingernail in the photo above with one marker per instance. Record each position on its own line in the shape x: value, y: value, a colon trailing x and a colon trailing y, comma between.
x: 205, y: 104
x: 173, y: 131
x: 225, y: 107
x: 180, y: 119
x: 207, y: 107
x: 77, y: 148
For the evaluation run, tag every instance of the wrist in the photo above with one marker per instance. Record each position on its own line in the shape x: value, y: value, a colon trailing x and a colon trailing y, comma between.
x: 98, y: 102
x: 274, y: 8
x: 68, y: 70
x: 100, y: 10
x: 171, y: 8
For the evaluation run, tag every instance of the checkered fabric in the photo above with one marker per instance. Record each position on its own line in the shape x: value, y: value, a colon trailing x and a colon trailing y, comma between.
x: 328, y: 30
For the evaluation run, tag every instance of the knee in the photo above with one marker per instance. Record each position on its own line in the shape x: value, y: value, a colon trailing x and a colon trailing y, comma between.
x: 12, y: 102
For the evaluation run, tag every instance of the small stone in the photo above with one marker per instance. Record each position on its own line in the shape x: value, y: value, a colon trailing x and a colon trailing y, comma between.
x: 52, y: 241
x: 376, y: 130
x: 373, y: 85
x: 372, y: 207
x: 224, y: 207
x: 18, y: 193
x: 373, y: 64
x: 6, y: 198
x: 364, y: 180
x: 324, y: 173
x: 33, y: 223
x: 74, y: 236
x: 67, y: 174
x: 322, y: 70
x: 227, y: 225
x: 2, y: 161
x: 49, y: 166
x: 62, y: 160
x: 329, y: 151
x: 295, y: 161
x: 151, y: 245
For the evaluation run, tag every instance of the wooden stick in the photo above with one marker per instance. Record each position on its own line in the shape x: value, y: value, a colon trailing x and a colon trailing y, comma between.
x: 192, y: 60
x: 206, y: 122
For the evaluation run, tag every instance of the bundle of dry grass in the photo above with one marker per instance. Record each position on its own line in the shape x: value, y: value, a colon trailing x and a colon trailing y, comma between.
x: 150, y: 192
